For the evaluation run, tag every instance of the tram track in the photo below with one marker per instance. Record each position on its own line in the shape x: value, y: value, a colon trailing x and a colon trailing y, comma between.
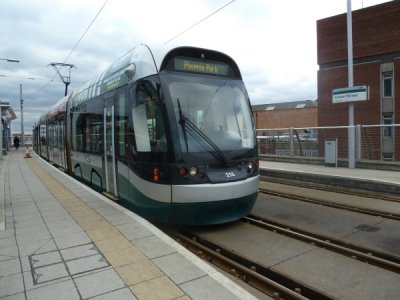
x: 332, y: 188
x: 369, y: 256
x: 275, y: 285
x: 250, y: 249
x: 261, y: 276
x: 327, y: 202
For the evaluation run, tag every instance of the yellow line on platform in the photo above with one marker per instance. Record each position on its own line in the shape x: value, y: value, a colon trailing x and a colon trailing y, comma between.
x: 144, y: 279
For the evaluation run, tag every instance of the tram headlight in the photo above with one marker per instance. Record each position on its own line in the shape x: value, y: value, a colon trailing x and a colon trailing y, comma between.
x: 250, y: 167
x: 193, y: 171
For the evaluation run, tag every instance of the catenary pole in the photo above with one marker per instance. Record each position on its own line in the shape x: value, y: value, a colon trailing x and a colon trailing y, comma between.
x: 351, y: 130
x: 22, y: 115
x: 1, y: 121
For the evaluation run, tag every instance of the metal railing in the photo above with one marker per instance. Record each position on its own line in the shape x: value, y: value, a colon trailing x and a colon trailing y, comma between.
x: 373, y: 142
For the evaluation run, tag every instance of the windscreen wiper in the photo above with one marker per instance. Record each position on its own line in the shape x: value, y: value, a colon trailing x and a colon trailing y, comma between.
x: 182, y: 122
x: 200, y: 137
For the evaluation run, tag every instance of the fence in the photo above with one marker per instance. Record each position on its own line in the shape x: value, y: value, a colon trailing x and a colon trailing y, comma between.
x: 373, y: 142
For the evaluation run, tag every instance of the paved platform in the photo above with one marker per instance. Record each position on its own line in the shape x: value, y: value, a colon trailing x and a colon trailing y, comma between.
x: 373, y: 180
x: 61, y: 240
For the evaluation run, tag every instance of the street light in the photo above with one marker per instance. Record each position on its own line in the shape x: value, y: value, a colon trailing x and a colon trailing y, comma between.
x: 10, y: 60
x: 1, y: 120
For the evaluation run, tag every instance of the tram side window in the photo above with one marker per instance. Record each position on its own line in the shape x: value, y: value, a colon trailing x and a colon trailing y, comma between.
x: 87, y: 132
x: 50, y: 140
x: 43, y: 134
x: 148, y: 124
x: 92, y: 133
x: 60, y: 133
x: 121, y: 124
x: 78, y: 131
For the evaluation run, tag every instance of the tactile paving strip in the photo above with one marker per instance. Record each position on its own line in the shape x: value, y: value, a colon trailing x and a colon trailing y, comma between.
x: 121, y: 254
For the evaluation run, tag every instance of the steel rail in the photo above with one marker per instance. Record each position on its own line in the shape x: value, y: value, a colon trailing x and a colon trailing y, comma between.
x: 327, y: 244
x: 248, y: 275
x: 330, y: 188
x: 332, y: 204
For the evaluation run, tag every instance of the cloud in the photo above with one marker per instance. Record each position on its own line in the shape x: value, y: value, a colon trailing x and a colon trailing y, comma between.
x: 273, y: 42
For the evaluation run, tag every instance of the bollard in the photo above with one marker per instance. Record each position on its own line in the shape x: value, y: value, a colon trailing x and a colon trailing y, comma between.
x: 27, y: 153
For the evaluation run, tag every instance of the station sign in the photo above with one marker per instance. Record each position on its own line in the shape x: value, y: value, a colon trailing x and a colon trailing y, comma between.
x: 350, y: 94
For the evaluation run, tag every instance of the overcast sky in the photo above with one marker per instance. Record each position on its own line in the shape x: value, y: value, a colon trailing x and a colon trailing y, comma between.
x: 273, y: 42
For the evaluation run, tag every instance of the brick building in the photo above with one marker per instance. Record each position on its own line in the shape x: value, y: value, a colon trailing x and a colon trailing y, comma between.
x: 376, y: 54
x: 285, y: 115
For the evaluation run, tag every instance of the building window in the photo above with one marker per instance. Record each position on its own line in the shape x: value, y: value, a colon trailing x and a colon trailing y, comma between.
x: 387, y: 120
x: 387, y: 84
x: 387, y: 156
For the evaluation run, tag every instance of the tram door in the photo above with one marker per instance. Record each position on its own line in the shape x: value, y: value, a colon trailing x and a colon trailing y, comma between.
x: 109, y: 147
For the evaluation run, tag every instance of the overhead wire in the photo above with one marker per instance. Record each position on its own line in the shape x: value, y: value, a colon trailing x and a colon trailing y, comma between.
x: 87, y: 29
x: 179, y: 34
x: 197, y: 23
x: 94, y: 19
x: 26, y: 78
x: 72, y: 50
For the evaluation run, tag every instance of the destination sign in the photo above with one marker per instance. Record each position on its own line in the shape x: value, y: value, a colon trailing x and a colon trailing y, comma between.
x: 197, y: 66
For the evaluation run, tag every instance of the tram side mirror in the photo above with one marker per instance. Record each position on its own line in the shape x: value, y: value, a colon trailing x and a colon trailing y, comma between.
x: 130, y: 71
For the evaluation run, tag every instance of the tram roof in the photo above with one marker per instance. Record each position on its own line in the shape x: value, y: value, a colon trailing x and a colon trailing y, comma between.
x: 139, y: 60
x: 138, y: 63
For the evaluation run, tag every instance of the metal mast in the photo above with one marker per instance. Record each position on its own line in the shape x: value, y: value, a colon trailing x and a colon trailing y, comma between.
x: 66, y: 78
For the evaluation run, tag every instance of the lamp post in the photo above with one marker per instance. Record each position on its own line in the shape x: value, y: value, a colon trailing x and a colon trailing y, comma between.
x: 10, y: 60
x: 1, y: 120
x: 351, y: 130
x: 22, y: 115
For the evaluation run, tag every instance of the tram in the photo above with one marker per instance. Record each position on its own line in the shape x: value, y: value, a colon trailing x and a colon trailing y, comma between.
x: 169, y: 135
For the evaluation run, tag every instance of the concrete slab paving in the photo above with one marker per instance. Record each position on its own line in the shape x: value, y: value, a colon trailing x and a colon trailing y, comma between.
x: 178, y: 269
x: 79, y: 251
x: 121, y: 294
x: 281, y: 249
x: 391, y: 177
x: 30, y: 283
x: 37, y: 247
x: 322, y: 220
x: 11, y: 284
x: 8, y: 242
x: 358, y: 281
x: 68, y: 242
x: 20, y: 296
x: 49, y: 273
x: 8, y: 252
x: 98, y: 283
x: 386, y: 239
x: 10, y: 267
x: 73, y: 239
x: 2, y: 193
x: 203, y: 288
x: 134, y: 231
x: 119, y: 219
x: 65, y: 290
x: 48, y: 258
x: 88, y: 263
x: 153, y: 247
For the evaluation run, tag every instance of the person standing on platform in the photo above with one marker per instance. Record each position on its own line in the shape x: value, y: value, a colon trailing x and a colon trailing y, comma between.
x: 16, y: 142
